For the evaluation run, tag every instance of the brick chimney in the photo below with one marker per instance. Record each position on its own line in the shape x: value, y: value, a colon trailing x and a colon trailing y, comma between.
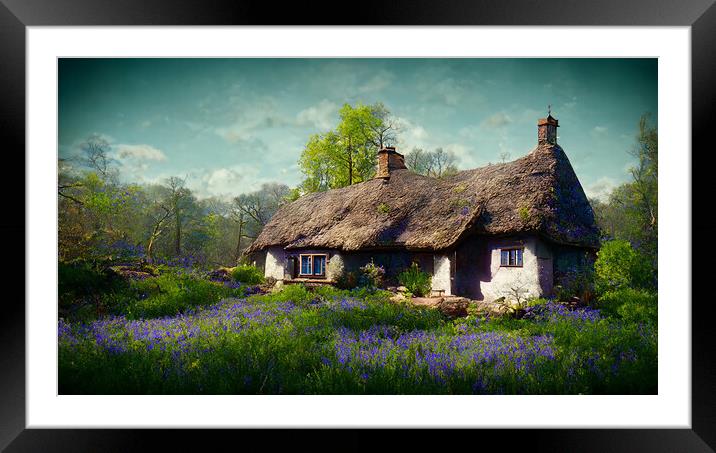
x: 388, y: 160
x: 547, y: 130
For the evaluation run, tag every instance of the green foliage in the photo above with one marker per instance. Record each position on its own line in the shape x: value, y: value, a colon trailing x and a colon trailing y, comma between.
x: 296, y: 293
x: 630, y: 304
x: 619, y: 266
x: 524, y: 214
x: 247, y: 274
x: 81, y: 280
x: 371, y: 276
x: 347, y: 154
x: 631, y: 211
x: 577, y: 281
x: 417, y: 281
x: 320, y: 344
x: 383, y: 208
x: 101, y: 217
x: 170, y: 294
x: 347, y: 280
x: 342, y: 279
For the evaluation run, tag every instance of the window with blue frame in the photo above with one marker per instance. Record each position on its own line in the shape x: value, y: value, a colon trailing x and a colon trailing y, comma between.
x: 313, y: 265
x: 511, y: 257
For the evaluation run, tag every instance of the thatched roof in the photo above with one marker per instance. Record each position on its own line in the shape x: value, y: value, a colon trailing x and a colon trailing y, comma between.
x: 537, y: 193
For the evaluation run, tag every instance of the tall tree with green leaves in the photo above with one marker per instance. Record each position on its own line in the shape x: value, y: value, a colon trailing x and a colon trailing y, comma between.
x: 347, y: 155
x: 631, y: 211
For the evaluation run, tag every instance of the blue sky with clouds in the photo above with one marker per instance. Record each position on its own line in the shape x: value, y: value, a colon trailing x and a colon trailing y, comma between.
x: 228, y: 125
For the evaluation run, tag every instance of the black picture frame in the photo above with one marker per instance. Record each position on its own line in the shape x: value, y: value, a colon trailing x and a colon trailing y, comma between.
x: 16, y: 15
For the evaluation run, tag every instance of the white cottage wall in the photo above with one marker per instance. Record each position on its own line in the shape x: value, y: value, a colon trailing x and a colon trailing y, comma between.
x: 275, y: 263
x: 441, y: 274
x: 504, y: 281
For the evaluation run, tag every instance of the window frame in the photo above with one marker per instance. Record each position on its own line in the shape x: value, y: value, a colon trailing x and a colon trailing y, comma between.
x: 310, y: 256
x: 508, y: 249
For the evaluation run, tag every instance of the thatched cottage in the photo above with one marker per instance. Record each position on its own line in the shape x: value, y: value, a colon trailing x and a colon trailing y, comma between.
x: 482, y: 233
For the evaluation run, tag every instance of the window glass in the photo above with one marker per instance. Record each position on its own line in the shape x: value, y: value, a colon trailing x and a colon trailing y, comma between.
x: 319, y: 262
x: 511, y: 257
x: 305, y: 264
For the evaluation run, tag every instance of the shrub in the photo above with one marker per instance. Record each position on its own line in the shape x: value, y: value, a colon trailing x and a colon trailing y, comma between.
x: 371, y: 276
x: 576, y: 282
x: 619, y: 266
x: 247, y: 274
x: 347, y: 280
x: 83, y: 279
x: 630, y: 304
x: 170, y: 294
x: 296, y: 293
x: 417, y: 281
x: 342, y: 279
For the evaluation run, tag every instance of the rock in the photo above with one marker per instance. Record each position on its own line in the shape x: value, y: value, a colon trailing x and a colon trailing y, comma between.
x: 453, y: 307
x: 398, y: 298
x: 131, y: 273
x: 222, y: 274
x: 402, y: 289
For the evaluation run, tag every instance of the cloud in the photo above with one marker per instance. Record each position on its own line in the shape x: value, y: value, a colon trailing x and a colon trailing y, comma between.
x: 378, y: 82
x: 446, y: 90
x: 222, y: 181
x: 226, y: 182
x: 412, y: 134
x: 141, y: 152
x: 321, y: 116
x: 252, y: 120
x: 601, y: 188
x: 599, y: 130
x: 495, y: 121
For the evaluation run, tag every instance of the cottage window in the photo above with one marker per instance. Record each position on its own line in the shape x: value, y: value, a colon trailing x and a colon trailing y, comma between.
x: 511, y: 257
x: 313, y: 265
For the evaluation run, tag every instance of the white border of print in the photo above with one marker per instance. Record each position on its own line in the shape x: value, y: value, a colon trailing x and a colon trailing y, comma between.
x: 670, y: 408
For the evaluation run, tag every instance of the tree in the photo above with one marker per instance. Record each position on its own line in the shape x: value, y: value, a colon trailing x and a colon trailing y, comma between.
x: 645, y: 185
x: 631, y: 211
x: 96, y: 151
x: 436, y: 164
x: 347, y: 154
x: 419, y: 161
x: 180, y: 199
x: 252, y: 211
x: 380, y: 128
x: 443, y: 163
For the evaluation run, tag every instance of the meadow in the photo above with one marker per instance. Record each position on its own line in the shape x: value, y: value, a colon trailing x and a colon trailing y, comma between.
x: 182, y: 333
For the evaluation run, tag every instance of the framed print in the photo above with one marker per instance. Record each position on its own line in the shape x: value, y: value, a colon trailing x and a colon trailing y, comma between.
x: 261, y: 192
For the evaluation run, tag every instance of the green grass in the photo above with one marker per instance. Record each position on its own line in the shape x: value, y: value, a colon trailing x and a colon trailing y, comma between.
x: 331, y: 341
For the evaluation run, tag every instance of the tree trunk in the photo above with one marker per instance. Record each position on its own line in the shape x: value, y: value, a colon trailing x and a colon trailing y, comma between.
x: 238, y: 242
x: 350, y: 163
x: 177, y: 243
x: 149, y: 249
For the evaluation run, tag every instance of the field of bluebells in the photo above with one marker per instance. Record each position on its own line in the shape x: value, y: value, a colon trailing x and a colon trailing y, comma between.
x: 340, y: 342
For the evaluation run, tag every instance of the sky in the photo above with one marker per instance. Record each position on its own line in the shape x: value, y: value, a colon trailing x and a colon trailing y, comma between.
x: 229, y: 125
